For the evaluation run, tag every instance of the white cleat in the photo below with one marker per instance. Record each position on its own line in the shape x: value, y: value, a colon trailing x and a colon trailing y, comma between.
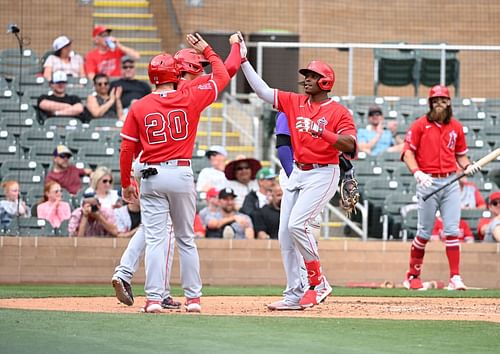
x: 456, y: 283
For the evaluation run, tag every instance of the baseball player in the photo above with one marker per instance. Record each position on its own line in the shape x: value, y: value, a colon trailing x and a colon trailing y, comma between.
x: 163, y: 125
x: 434, y: 145
x: 191, y: 63
x: 320, y: 128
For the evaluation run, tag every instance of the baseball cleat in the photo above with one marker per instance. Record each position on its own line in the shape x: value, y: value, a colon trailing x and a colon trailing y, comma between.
x: 282, y: 305
x: 193, y: 305
x: 170, y: 304
x: 413, y: 282
x: 456, y: 283
x: 323, y: 289
x: 123, y: 291
x: 309, y: 299
x: 151, y: 306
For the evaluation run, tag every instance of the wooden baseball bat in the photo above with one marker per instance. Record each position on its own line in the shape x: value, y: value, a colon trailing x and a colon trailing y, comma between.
x: 481, y: 162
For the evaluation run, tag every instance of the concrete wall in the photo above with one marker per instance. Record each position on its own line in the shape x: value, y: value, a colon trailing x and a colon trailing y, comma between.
x: 227, y: 262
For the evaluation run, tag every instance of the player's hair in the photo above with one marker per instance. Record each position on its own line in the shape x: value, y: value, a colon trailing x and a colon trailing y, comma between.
x: 99, y: 76
x: 432, y: 116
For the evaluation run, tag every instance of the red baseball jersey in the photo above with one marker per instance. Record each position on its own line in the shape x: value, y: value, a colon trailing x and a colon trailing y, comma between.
x: 436, y: 145
x: 165, y: 124
x: 329, y: 114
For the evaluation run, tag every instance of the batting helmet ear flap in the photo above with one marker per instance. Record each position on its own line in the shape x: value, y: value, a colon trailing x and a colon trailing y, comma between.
x: 325, y: 84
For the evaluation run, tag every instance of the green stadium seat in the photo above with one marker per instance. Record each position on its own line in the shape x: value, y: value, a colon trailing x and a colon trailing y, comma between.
x: 13, y: 166
x: 31, y: 226
x: 394, y: 67
x: 429, y: 68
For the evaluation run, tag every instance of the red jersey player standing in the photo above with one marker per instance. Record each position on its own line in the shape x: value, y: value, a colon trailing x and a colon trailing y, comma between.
x: 434, y: 145
x: 319, y: 128
x: 163, y: 125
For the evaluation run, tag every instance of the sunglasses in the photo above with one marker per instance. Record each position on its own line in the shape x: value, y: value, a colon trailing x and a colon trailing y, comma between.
x: 128, y: 66
x: 102, y: 83
x: 495, y: 202
x: 239, y: 168
x: 107, y: 181
x: 65, y: 156
x: 57, y: 190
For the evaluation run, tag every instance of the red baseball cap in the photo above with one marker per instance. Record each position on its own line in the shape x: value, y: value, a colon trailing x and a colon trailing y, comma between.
x: 99, y: 29
x: 212, y: 193
x: 494, y: 196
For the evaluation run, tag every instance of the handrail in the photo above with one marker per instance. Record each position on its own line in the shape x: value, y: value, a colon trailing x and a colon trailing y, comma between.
x: 443, y: 47
x: 363, y: 231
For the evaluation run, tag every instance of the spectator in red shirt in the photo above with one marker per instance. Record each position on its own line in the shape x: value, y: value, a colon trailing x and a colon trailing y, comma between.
x: 488, y: 229
x: 465, y: 235
x: 64, y: 172
x: 106, y: 57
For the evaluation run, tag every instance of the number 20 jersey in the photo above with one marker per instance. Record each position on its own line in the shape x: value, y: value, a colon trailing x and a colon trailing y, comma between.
x: 165, y: 123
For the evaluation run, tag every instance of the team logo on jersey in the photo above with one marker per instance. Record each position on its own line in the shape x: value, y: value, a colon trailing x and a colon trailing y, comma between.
x: 206, y: 86
x: 453, y: 140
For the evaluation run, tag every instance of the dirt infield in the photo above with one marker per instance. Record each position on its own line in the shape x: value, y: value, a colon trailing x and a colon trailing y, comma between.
x: 464, y: 309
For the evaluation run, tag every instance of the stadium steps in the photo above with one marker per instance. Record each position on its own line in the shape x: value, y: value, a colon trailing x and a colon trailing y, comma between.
x: 133, y: 24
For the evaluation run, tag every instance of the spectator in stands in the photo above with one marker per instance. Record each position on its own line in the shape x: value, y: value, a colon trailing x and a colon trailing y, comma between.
x: 213, y: 176
x: 105, y: 58
x: 465, y: 235
x: 64, y: 172
x: 101, y: 182
x: 211, y: 211
x: 58, y: 103
x: 470, y: 195
x: 376, y: 138
x: 63, y: 59
x: 12, y: 206
x: 241, y: 177
x: 199, y: 228
x: 228, y: 223
x: 488, y: 229
x: 128, y: 218
x: 133, y: 89
x: 266, y: 220
x: 52, y: 208
x: 92, y: 220
x: 105, y: 102
x: 266, y: 178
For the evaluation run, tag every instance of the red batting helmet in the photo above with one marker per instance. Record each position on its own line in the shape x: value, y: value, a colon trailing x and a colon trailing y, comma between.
x: 163, y: 68
x: 324, y: 70
x: 439, y: 91
x: 190, y: 60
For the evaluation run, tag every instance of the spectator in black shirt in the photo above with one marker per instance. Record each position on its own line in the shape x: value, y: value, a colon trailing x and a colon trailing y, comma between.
x: 133, y: 89
x: 59, y: 103
x: 266, y: 220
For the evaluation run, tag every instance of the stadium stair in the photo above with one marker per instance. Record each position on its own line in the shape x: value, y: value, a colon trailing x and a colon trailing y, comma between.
x: 133, y: 25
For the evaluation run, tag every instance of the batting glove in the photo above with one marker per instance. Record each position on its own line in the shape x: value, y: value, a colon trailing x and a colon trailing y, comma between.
x: 472, y: 169
x: 306, y: 125
x: 423, y: 179
x: 243, y: 46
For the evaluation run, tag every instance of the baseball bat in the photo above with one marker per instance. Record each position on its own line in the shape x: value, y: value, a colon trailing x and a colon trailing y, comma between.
x: 481, y: 162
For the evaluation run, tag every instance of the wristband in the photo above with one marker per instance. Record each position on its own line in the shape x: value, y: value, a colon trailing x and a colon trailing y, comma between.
x: 413, y: 170
x: 243, y: 60
x: 465, y: 167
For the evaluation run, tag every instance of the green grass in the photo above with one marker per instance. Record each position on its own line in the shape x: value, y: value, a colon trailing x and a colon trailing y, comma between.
x: 83, y: 290
x: 24, y: 331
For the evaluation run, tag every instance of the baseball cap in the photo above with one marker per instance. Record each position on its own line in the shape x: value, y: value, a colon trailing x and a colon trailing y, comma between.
x: 216, y: 149
x: 226, y: 192
x: 265, y: 173
x: 494, y: 196
x: 99, y: 29
x: 374, y: 109
x: 59, y: 76
x: 60, y: 42
x: 127, y: 59
x: 62, y: 149
x: 212, y: 193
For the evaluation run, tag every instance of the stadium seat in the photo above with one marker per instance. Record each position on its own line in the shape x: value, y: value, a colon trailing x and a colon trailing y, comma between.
x: 105, y: 124
x: 18, y: 123
x: 410, y: 222
x: 8, y: 150
x: 43, y: 154
x: 98, y: 155
x: 429, y: 68
x: 26, y: 178
x: 12, y: 62
x: 63, y: 125
x: 31, y: 226
x: 77, y: 140
x: 13, y: 166
x: 37, y: 137
x: 394, y: 67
